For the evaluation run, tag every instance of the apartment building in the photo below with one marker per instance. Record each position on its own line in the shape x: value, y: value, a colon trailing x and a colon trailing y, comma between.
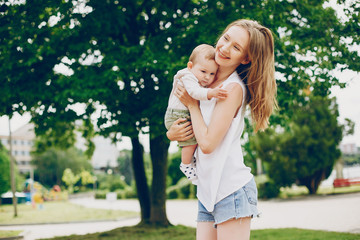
x: 105, y: 155
x: 22, y: 143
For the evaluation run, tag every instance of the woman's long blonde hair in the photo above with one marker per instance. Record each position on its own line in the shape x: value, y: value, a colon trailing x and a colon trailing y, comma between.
x: 259, y: 74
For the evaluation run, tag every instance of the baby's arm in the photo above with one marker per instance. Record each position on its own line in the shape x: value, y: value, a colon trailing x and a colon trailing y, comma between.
x: 193, y: 87
x: 217, y: 92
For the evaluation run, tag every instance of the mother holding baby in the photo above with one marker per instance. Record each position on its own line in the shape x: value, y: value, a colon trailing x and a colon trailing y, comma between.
x: 226, y: 189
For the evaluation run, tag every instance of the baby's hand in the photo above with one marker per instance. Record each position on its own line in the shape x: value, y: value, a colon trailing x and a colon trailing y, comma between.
x: 217, y: 92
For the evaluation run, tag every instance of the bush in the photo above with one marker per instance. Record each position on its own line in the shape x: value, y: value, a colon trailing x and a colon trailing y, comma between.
x: 173, y: 169
x: 184, y: 189
x: 100, y: 194
x: 268, y: 190
x: 127, y: 192
x: 117, y: 184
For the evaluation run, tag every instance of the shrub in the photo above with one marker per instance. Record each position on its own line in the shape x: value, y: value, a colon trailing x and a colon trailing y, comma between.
x: 183, y: 189
x: 268, y: 190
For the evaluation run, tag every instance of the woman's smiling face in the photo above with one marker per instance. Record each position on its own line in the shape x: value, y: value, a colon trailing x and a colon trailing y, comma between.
x: 232, y: 47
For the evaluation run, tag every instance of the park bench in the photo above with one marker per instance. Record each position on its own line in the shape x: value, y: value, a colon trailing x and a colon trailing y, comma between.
x: 344, y: 182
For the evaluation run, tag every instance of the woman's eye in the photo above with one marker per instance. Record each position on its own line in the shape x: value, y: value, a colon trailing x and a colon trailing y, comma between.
x: 226, y: 38
x: 237, y: 48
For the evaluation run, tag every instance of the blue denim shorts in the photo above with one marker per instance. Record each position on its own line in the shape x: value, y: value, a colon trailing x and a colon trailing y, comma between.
x: 239, y: 204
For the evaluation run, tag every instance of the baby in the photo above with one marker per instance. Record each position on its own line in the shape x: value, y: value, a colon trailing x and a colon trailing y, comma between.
x: 199, y: 74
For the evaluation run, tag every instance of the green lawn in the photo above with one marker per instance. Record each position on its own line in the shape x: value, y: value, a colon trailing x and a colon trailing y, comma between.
x: 55, y: 212
x: 187, y: 233
x: 6, y: 234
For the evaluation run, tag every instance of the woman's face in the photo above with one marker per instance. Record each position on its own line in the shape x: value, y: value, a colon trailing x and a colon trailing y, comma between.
x: 232, y: 48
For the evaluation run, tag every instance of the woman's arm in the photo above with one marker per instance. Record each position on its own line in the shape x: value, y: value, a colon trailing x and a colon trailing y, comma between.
x: 209, y: 137
x: 180, y: 130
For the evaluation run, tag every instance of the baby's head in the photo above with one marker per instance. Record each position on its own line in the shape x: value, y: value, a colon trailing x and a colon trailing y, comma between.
x: 202, y: 64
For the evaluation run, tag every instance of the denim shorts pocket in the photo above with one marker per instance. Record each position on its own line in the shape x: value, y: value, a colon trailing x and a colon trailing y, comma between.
x: 251, y: 192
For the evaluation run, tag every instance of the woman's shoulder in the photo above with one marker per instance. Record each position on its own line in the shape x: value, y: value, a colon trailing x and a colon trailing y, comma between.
x: 234, y: 78
x: 234, y: 82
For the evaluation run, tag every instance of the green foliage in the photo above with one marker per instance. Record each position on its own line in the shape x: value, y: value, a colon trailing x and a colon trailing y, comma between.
x: 110, y: 182
x: 351, y: 159
x: 61, y: 136
x: 173, y: 168
x: 114, y: 183
x: 124, y: 166
x: 4, y: 171
x: 305, y: 153
x: 184, y: 189
x: 268, y: 190
x: 70, y: 179
x: 86, y: 178
x: 50, y: 165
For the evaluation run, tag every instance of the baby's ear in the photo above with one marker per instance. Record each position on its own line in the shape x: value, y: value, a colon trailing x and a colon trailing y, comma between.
x: 190, y: 65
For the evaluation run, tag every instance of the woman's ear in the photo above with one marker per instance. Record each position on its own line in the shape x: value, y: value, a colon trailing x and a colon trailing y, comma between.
x: 246, y: 60
x: 190, y: 65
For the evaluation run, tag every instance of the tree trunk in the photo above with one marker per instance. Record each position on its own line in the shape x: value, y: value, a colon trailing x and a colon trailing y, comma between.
x: 140, y: 179
x: 159, y: 152
x: 312, y: 183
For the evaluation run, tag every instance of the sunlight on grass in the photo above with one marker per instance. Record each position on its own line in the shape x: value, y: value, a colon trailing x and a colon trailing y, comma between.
x: 53, y: 212
x: 6, y: 234
x: 187, y: 233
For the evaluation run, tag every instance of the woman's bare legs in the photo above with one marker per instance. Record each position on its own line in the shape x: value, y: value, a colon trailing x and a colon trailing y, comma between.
x: 234, y: 229
x: 205, y: 231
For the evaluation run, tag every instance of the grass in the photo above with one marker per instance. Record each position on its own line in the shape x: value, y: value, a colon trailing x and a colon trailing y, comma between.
x: 187, y: 233
x: 298, y: 191
x: 6, y: 234
x: 58, y: 212
x: 302, y: 191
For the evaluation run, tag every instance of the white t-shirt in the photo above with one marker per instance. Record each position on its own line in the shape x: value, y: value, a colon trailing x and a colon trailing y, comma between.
x: 223, y: 171
x: 191, y: 85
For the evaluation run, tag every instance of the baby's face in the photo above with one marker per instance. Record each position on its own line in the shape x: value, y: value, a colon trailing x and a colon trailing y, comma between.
x: 205, y: 71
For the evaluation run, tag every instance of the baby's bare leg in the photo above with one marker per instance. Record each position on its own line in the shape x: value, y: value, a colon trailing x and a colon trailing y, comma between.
x: 187, y: 166
x: 187, y: 153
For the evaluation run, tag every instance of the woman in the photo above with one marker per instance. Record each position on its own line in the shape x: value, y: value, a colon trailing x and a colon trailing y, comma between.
x: 226, y: 188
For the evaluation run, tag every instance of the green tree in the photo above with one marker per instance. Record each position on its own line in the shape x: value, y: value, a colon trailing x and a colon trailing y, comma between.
x: 4, y: 171
x: 50, y: 165
x: 306, y: 153
x: 122, y: 55
x: 70, y: 179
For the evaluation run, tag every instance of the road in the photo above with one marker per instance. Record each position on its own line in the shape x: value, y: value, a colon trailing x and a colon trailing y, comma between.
x: 330, y: 213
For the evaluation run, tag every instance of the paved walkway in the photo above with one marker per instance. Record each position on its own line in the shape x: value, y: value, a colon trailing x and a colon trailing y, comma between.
x: 331, y: 213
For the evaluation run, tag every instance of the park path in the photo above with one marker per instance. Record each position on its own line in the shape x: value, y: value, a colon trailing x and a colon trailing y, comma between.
x: 331, y: 213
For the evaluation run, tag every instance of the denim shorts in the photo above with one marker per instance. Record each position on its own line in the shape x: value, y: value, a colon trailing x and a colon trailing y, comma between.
x: 241, y: 203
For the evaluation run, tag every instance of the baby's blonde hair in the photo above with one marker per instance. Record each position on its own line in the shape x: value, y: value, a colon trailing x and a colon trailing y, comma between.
x: 203, y: 50
x: 259, y: 74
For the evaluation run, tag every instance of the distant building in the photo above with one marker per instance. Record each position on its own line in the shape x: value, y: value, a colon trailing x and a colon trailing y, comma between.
x: 22, y: 143
x: 105, y: 154
x: 349, y: 148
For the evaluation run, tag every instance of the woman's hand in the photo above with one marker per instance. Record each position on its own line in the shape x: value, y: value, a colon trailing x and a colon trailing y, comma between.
x: 181, y: 130
x: 184, y: 97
